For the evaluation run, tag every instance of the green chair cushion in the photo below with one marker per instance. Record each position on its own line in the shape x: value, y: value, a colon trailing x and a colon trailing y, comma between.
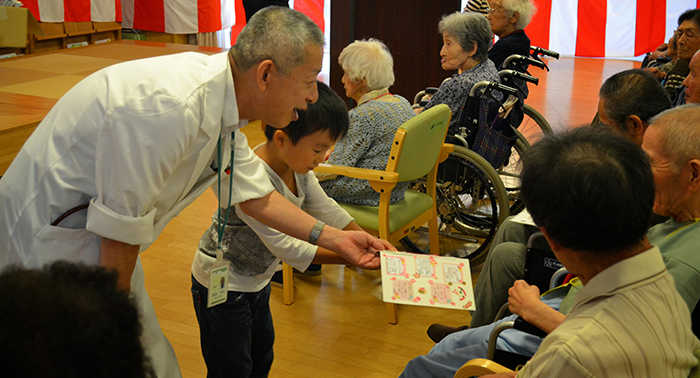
x: 400, y: 213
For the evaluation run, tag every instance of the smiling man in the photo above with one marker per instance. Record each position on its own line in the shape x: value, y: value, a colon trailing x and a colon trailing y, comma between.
x: 129, y: 147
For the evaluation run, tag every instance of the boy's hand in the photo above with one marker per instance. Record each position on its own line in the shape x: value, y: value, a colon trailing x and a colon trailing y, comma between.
x: 358, y: 247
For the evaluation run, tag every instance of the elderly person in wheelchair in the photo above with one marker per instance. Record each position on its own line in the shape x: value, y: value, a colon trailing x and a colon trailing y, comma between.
x: 628, y: 101
x: 508, y: 19
x: 465, y: 38
x: 368, y: 73
x: 606, y: 246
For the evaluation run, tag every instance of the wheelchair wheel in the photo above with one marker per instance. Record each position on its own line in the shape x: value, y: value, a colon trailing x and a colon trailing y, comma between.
x: 471, y: 203
x: 534, y: 126
x: 510, y: 173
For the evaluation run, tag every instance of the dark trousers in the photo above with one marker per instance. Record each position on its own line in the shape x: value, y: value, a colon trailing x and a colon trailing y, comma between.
x: 236, y: 336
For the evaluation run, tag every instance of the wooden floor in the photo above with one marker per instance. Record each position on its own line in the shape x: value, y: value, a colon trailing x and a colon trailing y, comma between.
x: 337, y: 327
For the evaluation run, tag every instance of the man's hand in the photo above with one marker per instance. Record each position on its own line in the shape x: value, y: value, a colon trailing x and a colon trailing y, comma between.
x: 522, y: 298
x: 525, y: 301
x: 655, y: 71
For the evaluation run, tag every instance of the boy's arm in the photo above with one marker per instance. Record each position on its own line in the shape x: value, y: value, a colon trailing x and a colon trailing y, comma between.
x: 325, y: 256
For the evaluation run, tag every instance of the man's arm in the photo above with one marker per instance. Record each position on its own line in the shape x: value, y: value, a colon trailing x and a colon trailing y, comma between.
x: 326, y: 256
x: 525, y: 301
x: 119, y: 256
x: 275, y: 211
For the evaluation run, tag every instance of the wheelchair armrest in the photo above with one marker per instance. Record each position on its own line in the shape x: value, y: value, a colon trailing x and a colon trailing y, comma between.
x: 521, y: 325
x: 358, y: 173
x: 479, y: 367
x: 431, y: 90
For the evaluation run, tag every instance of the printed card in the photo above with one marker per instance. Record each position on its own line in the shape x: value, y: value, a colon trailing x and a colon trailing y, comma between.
x: 427, y: 280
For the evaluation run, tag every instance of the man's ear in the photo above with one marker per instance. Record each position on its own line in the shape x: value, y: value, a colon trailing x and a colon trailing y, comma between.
x: 514, y: 18
x: 635, y: 128
x: 694, y: 168
x: 552, y: 243
x: 262, y: 74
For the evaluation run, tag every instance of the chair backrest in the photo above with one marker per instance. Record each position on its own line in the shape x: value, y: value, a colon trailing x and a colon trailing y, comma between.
x: 417, y: 144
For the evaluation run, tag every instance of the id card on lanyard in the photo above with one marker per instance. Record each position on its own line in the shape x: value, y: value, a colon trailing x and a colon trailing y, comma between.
x: 218, y: 274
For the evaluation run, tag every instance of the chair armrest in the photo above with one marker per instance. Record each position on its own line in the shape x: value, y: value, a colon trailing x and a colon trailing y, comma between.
x: 358, y: 173
x: 479, y: 367
x: 445, y: 151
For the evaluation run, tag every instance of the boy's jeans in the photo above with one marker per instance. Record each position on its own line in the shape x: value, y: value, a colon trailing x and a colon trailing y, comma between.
x: 236, y: 336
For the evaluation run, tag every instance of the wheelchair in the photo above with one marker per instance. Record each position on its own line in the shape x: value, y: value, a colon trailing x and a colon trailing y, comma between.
x: 474, y: 195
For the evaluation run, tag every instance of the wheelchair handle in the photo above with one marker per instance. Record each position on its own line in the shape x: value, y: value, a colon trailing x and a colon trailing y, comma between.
x: 492, y: 85
x: 516, y: 74
x: 523, y: 59
x: 540, y: 51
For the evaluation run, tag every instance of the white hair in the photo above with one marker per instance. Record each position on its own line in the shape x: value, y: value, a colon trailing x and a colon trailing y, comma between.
x: 525, y: 8
x: 369, y: 61
x: 680, y: 130
x: 279, y: 34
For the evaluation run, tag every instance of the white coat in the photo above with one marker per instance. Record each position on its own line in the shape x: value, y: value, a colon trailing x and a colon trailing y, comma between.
x: 136, y: 142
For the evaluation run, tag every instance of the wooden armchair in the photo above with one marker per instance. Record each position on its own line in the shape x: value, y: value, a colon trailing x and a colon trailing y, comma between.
x: 418, y: 147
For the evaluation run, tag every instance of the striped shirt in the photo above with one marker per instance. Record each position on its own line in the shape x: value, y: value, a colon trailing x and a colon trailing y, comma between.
x: 628, y: 321
x: 478, y: 6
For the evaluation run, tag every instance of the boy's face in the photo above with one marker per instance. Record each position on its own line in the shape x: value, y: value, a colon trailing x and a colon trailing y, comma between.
x: 308, y: 153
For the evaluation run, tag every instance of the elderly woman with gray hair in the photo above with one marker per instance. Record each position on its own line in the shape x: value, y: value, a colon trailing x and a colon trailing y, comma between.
x: 368, y: 73
x: 508, y: 18
x: 465, y: 41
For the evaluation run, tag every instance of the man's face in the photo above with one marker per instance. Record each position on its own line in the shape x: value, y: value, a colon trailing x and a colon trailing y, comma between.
x: 499, y: 18
x: 670, y: 195
x: 288, y: 94
x: 687, y: 39
x: 692, y: 81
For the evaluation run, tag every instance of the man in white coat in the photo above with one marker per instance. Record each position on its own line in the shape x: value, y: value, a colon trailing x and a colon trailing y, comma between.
x: 129, y: 147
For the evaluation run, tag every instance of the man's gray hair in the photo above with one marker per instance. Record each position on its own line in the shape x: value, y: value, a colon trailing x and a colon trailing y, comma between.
x: 680, y: 130
x: 468, y: 29
x: 525, y: 8
x: 279, y: 34
x: 633, y: 92
x: 368, y: 60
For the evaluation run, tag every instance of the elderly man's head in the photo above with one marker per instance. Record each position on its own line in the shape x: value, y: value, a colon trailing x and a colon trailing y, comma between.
x: 688, y: 34
x: 692, y: 81
x: 590, y: 189
x: 281, y: 50
x: 672, y: 142
x: 628, y: 100
x: 507, y: 16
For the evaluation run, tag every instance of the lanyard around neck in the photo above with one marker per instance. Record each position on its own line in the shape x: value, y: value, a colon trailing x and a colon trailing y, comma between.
x: 221, y: 225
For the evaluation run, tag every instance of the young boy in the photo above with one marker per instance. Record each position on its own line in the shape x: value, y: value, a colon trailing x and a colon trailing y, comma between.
x: 237, y: 336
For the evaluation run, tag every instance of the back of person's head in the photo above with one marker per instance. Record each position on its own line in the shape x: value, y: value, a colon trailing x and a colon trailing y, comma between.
x: 279, y: 34
x: 329, y: 113
x: 633, y: 92
x: 680, y: 130
x: 368, y: 60
x: 468, y: 29
x: 690, y: 15
x: 525, y: 8
x: 590, y: 188
x: 68, y: 321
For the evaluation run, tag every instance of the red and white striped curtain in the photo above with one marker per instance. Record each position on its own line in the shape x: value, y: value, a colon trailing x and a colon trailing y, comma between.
x: 605, y: 28
x: 169, y: 16
x: 75, y: 10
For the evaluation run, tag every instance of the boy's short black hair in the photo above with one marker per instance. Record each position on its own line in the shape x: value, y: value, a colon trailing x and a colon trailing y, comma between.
x: 328, y: 113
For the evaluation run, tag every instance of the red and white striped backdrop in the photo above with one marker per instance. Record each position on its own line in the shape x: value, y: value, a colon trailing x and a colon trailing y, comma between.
x: 75, y: 10
x: 169, y: 16
x: 597, y: 28
x: 605, y: 28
